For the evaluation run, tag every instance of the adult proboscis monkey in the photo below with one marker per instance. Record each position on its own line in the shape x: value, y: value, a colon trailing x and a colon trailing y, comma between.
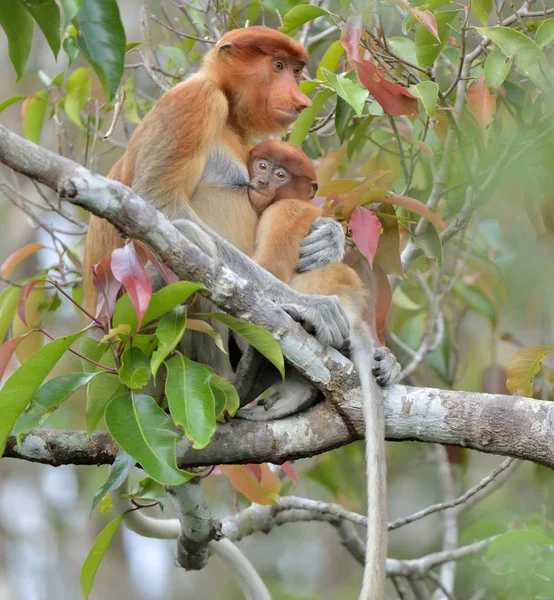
x: 282, y: 183
x: 188, y: 158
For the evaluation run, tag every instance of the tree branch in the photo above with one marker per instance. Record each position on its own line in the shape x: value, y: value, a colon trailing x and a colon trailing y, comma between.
x: 492, y: 423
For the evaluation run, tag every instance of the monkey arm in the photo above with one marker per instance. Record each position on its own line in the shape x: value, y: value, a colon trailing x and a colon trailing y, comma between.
x: 281, y: 230
x: 322, y: 315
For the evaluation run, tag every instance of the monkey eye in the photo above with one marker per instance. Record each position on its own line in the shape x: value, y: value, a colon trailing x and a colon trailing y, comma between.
x: 281, y: 175
x: 278, y: 65
x: 298, y: 70
x: 262, y: 166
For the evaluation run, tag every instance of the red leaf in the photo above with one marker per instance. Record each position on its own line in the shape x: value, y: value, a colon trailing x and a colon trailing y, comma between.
x: 168, y: 275
x: 128, y: 269
x: 481, y: 104
x: 107, y: 287
x: 366, y: 227
x: 13, y: 260
x: 6, y: 352
x: 393, y: 98
x: 291, y: 472
x: 427, y: 19
x: 23, y: 299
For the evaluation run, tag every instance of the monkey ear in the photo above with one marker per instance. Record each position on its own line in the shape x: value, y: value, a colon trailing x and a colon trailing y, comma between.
x: 225, y: 47
x: 314, y: 190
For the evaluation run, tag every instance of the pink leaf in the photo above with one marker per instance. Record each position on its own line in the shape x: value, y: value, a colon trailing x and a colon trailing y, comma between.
x: 107, y: 287
x: 366, y: 228
x: 13, y: 260
x: 27, y: 289
x: 350, y: 37
x: 256, y: 470
x: 168, y: 275
x: 129, y: 270
x: 427, y: 19
x: 6, y: 352
x: 291, y: 472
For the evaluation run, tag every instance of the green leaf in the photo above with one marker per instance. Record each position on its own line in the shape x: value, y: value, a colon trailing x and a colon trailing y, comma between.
x: 8, y: 304
x: 48, y: 398
x: 130, y: 104
x: 94, y: 350
x: 429, y: 241
x: 102, y: 40
x: 150, y: 491
x: 404, y: 47
x: 135, y: 368
x: 528, y: 57
x: 330, y: 60
x: 96, y: 553
x: 34, y: 113
x: 428, y: 93
x: 348, y: 90
x: 516, y: 540
x: 545, y: 33
x: 426, y: 45
x: 482, y: 8
x: 475, y: 299
x: 100, y: 391
x: 497, y: 67
x: 20, y: 388
x: 121, y: 469
x: 190, y: 398
x: 523, y: 367
x: 145, y: 432
x: 71, y: 8
x: 307, y: 117
x: 47, y: 15
x: 255, y: 335
x: 301, y: 14
x: 77, y: 90
x: 169, y: 297
x: 9, y: 101
x: 222, y: 387
x: 343, y: 116
x: 18, y: 27
x: 169, y: 332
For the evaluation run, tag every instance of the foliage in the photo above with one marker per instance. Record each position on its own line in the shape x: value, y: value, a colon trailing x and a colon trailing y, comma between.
x: 440, y: 169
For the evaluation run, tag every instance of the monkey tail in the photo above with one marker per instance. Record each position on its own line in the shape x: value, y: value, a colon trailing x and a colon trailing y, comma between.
x: 373, y: 587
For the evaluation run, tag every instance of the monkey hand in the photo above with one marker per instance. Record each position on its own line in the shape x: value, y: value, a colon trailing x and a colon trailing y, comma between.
x: 323, y: 317
x: 386, y: 368
x: 322, y: 246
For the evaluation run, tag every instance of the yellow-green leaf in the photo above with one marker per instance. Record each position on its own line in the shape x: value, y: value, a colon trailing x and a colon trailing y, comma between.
x: 523, y: 367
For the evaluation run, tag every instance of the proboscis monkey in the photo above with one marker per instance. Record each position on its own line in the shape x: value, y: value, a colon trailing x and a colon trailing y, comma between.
x: 188, y: 158
x: 282, y: 183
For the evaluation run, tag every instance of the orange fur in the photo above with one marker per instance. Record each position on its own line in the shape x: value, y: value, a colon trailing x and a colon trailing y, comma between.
x: 281, y: 230
x: 236, y: 96
x: 286, y: 222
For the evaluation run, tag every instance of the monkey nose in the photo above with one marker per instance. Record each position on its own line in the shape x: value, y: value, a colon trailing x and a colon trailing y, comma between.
x: 302, y: 103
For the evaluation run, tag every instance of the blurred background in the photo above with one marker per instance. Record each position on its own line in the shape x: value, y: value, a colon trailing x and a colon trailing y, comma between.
x: 504, y: 302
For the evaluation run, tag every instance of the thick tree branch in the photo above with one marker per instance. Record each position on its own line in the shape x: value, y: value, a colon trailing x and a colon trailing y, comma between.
x: 327, y: 368
x: 496, y: 424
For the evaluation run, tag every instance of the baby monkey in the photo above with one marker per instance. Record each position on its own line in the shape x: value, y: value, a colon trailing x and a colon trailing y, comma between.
x: 282, y: 184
